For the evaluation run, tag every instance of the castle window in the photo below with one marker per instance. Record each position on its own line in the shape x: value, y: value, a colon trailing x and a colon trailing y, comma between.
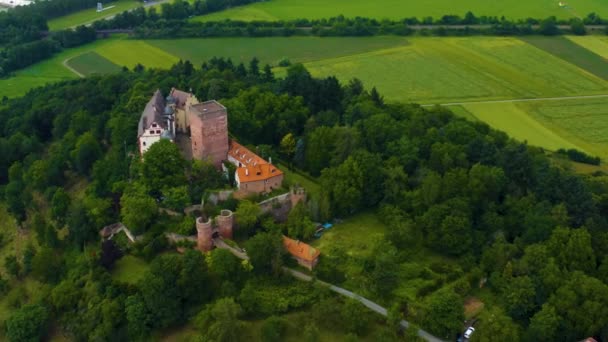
x: 158, y: 131
x: 144, y: 143
x: 153, y: 125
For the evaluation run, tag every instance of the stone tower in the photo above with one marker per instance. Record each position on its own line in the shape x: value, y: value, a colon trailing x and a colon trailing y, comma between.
x: 204, y: 239
x: 209, y: 132
x: 225, y: 222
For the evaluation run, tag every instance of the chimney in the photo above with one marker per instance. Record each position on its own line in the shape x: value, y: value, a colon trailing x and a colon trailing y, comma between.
x: 269, y: 160
x: 246, y: 172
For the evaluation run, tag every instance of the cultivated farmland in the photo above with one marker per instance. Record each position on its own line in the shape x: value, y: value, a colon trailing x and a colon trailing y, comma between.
x: 398, y: 9
x: 443, y: 70
x: 91, y: 63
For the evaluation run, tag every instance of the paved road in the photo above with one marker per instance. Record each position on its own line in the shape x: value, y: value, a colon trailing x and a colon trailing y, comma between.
x: 581, y: 97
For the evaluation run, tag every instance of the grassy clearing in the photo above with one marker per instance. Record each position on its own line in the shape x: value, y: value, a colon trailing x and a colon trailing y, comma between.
x: 272, y: 49
x: 573, y: 53
x: 398, y: 9
x: 129, y: 269
x: 440, y: 70
x: 92, y: 63
x: 355, y: 236
x: 463, y: 113
x: 90, y: 15
x: 596, y: 44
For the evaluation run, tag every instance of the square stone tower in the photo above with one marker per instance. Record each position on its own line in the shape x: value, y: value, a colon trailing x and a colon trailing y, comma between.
x: 209, y: 131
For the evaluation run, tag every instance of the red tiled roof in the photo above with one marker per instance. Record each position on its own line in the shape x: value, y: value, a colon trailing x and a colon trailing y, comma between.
x: 300, y: 250
x: 253, y: 168
x: 180, y: 97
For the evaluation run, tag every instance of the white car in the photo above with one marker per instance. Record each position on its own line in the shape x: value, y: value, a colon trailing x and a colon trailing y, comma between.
x: 469, y: 332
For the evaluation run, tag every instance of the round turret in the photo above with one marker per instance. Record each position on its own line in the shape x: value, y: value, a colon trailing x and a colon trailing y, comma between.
x: 225, y: 221
x: 204, y: 239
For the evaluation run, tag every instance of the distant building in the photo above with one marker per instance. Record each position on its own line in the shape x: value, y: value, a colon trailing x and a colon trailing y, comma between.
x: 304, y: 254
x: 206, y: 124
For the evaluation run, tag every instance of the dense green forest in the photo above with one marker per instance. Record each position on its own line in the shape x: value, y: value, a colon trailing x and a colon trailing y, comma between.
x: 533, y: 234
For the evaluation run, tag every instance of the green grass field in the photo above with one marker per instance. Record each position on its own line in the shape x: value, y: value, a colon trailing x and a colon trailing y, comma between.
x: 90, y: 15
x: 572, y: 52
x: 272, y: 50
x: 398, y: 9
x: 129, y: 269
x: 444, y: 70
x: 596, y: 44
x: 90, y: 63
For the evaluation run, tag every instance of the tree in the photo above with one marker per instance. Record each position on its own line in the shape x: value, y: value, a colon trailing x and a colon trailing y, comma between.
x: 355, y: 318
x: 578, y: 27
x: 163, y: 166
x: 265, y: 252
x: 138, y: 209
x: 12, y: 266
x: 27, y: 324
x: 60, y: 204
x: 544, y: 325
x: 548, y: 27
x: 110, y: 253
x: 86, y: 152
x: 225, y: 326
x: 299, y: 225
x: 288, y: 146
x: 47, y: 265
x: 247, y: 215
x: 176, y: 198
x: 520, y: 296
x: 494, y: 325
x: 273, y: 329
x: 444, y: 313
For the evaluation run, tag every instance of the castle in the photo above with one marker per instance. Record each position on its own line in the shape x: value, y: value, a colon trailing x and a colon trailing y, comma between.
x: 206, y: 125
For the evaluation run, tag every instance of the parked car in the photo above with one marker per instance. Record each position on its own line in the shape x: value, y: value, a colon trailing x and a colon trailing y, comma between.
x: 469, y: 332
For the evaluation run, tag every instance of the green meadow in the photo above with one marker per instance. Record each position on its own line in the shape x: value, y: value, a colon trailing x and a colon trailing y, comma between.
x: 88, y: 16
x: 398, y: 9
x: 90, y: 63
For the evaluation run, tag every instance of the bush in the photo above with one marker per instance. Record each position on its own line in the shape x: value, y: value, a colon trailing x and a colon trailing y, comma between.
x: 273, y: 329
x: 579, y: 156
x: 27, y: 324
x: 285, y: 62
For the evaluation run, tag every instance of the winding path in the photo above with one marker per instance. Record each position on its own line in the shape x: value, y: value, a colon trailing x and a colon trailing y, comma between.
x: 219, y: 243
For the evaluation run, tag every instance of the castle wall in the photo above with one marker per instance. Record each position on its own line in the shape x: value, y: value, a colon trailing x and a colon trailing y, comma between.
x: 262, y: 185
x: 209, y: 136
x: 204, y: 234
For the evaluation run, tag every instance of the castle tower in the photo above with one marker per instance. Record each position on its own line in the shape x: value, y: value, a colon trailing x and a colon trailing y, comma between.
x: 225, y: 222
x: 209, y: 131
x: 298, y: 194
x: 204, y: 241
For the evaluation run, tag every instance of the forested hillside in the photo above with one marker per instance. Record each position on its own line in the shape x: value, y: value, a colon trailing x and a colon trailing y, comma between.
x: 532, y: 234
